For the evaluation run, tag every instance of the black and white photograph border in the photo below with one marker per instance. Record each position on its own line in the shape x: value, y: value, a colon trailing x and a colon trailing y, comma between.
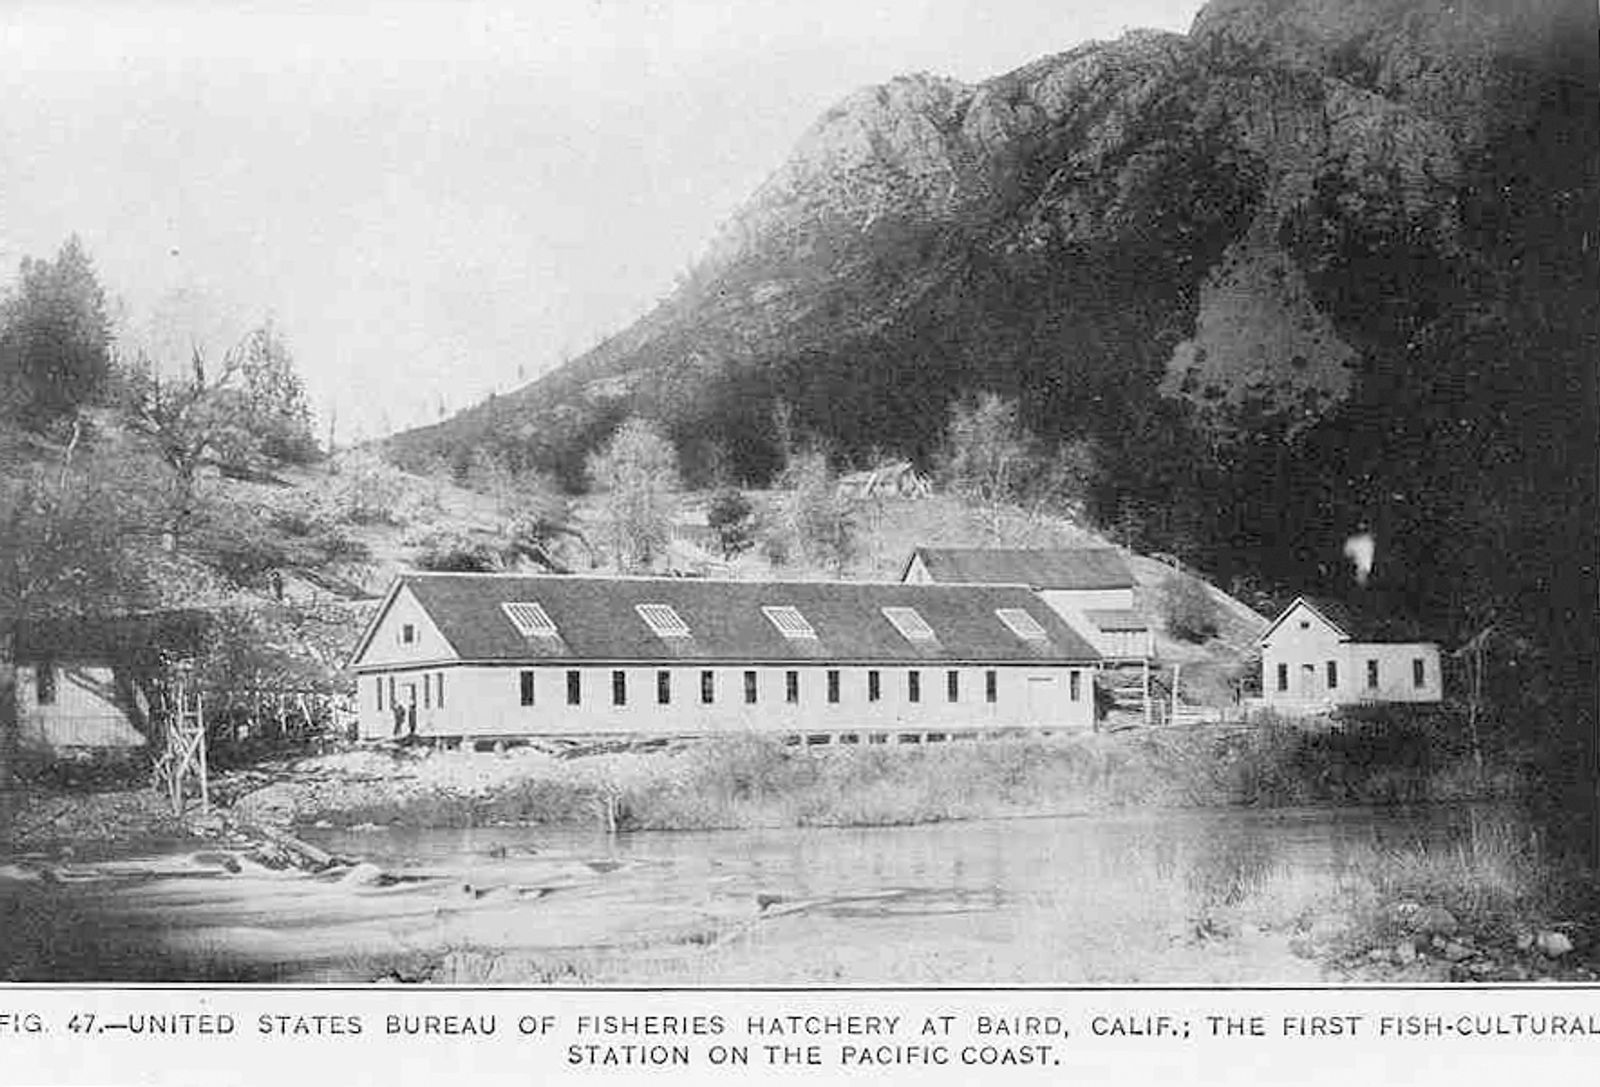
x: 722, y: 500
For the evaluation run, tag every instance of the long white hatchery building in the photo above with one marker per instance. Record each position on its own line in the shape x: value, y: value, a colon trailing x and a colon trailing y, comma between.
x: 453, y: 656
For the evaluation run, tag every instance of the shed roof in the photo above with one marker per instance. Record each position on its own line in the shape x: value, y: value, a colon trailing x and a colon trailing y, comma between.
x: 1037, y: 568
x: 1117, y: 619
x: 597, y: 618
x: 114, y: 638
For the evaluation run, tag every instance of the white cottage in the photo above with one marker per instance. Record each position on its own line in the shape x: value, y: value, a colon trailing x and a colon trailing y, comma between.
x: 1090, y: 587
x: 491, y: 655
x: 1321, y: 653
x: 79, y: 679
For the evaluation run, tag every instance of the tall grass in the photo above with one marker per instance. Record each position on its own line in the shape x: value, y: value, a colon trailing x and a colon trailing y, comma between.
x: 759, y: 780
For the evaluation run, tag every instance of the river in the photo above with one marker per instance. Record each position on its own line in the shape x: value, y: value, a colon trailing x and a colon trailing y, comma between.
x: 1193, y: 896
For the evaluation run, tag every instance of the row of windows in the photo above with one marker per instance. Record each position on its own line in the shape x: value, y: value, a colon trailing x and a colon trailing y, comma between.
x: 791, y: 686
x: 1419, y: 674
x: 432, y: 692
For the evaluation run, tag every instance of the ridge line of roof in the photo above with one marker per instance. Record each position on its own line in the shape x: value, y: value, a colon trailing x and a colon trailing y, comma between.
x: 507, y: 576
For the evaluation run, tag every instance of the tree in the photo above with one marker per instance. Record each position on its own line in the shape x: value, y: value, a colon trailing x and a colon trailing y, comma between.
x: 66, y: 537
x: 732, y: 518
x: 280, y: 414
x: 248, y: 412
x: 824, y: 524
x: 55, y: 340
x: 1188, y: 609
x: 637, y: 475
x: 988, y: 456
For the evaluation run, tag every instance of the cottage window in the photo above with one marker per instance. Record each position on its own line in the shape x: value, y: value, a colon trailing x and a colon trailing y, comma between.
x: 991, y: 685
x: 530, y: 619
x: 1283, y: 677
x: 427, y: 691
x: 912, y: 626
x: 574, y: 687
x: 44, y: 684
x: 1333, y: 674
x: 619, y: 688
x: 408, y: 634
x: 664, y: 687
x: 791, y: 687
x: 789, y: 621
x: 392, y: 702
x: 1372, y: 674
x: 833, y: 685
x: 874, y: 685
x: 526, y: 679
x: 914, y: 686
x: 749, y: 687
x: 663, y: 620
x: 1419, y: 677
x: 708, y: 687
x: 377, y: 684
x: 438, y: 687
x: 952, y: 685
x: 1075, y: 686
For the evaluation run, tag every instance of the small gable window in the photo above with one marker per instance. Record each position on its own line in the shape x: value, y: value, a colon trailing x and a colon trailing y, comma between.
x: 408, y: 634
x: 663, y: 620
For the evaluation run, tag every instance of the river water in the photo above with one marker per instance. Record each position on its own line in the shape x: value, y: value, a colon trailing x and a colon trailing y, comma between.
x: 1123, y: 898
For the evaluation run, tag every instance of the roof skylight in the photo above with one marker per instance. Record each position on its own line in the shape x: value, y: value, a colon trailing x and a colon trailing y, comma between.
x: 1022, y: 624
x: 911, y: 625
x: 530, y: 619
x: 789, y: 621
x: 663, y: 620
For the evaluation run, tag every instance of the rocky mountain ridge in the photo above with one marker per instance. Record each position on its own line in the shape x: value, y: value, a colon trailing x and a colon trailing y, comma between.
x: 1247, y: 263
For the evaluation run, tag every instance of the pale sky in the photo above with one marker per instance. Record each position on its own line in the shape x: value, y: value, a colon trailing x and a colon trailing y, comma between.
x: 433, y: 200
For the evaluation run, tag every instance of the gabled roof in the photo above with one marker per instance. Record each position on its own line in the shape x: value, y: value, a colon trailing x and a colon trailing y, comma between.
x: 1037, y: 568
x: 1354, y: 622
x: 597, y: 619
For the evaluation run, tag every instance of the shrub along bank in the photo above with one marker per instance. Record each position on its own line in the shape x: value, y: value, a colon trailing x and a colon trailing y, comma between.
x: 750, y: 780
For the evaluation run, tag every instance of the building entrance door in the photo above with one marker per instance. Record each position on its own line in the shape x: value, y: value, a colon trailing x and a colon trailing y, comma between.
x: 411, y: 709
x: 1044, y: 700
x: 1308, y: 682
